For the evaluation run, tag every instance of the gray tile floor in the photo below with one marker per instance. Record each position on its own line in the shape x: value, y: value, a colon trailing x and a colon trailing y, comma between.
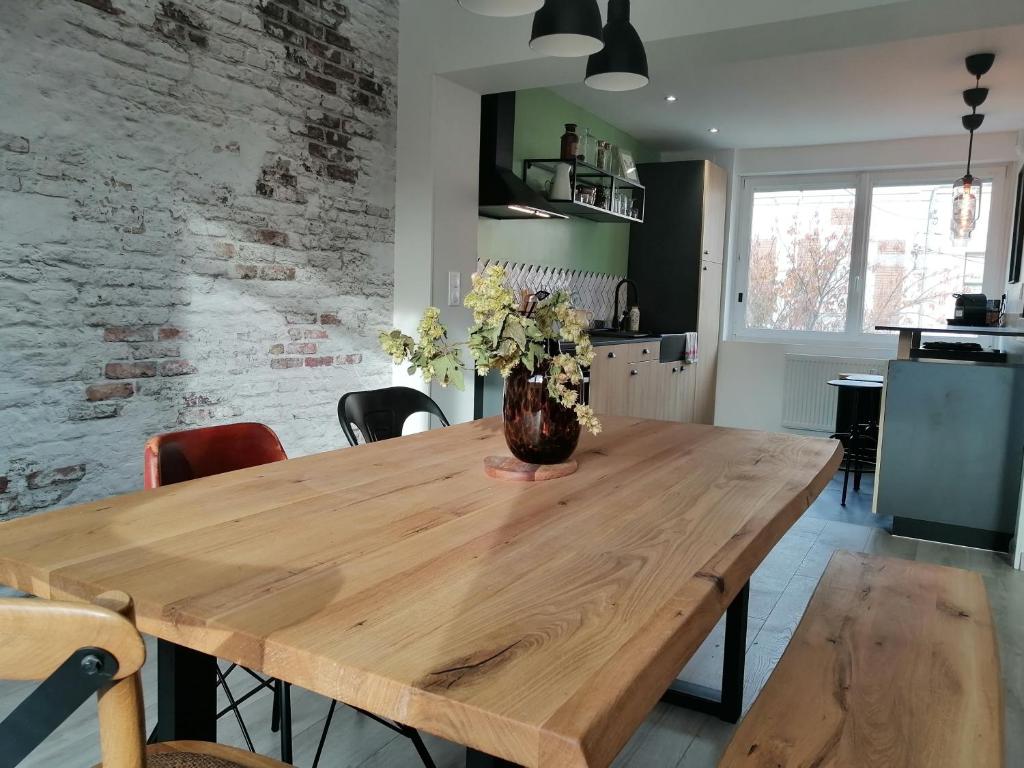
x: 670, y: 737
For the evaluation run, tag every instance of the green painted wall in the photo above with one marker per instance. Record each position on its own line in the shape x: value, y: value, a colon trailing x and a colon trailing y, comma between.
x: 574, y: 243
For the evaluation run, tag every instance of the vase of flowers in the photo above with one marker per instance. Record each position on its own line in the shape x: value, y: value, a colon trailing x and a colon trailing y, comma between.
x: 543, y: 410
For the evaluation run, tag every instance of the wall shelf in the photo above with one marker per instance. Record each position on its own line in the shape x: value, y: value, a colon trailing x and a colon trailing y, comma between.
x: 584, y: 176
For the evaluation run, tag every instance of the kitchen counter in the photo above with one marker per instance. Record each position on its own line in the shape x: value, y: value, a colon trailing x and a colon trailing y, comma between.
x: 951, y: 443
x: 910, y: 338
x: 603, y: 341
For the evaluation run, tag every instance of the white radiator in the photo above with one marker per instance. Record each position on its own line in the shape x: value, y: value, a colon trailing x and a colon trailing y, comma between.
x: 808, y: 402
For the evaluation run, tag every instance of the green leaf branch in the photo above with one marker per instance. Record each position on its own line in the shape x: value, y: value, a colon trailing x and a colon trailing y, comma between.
x: 503, y: 336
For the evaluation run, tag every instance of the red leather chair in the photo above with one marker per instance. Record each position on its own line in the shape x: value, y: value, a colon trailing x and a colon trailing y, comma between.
x: 175, y: 457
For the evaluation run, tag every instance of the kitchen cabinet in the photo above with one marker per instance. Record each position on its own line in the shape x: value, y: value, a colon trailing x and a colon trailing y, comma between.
x: 628, y: 380
x: 675, y: 391
x: 709, y: 319
x: 676, y: 260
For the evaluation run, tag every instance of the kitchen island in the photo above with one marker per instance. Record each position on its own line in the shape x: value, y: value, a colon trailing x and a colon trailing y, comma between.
x: 951, y: 449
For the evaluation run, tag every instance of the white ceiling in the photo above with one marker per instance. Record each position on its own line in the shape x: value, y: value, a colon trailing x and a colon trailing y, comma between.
x: 765, y: 72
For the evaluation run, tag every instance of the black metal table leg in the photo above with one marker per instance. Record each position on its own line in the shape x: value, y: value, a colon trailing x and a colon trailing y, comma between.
x: 476, y: 759
x: 726, y: 704
x: 186, y: 694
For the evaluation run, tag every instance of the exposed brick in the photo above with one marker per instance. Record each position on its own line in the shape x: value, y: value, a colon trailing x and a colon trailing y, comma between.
x: 143, y: 370
x: 175, y: 368
x: 118, y: 391
x: 245, y: 271
x: 339, y: 74
x: 303, y: 24
x: 45, y: 478
x: 277, y: 272
x: 370, y: 86
x: 338, y: 9
x: 321, y: 83
x: 329, y: 318
x: 325, y: 52
x: 129, y: 333
x: 323, y: 120
x: 349, y: 359
x: 215, y: 116
x: 338, y: 41
x: 170, y: 332
x: 271, y: 237
x: 339, y: 173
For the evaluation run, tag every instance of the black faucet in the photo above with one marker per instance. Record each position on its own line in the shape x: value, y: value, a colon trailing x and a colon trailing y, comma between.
x: 616, y: 320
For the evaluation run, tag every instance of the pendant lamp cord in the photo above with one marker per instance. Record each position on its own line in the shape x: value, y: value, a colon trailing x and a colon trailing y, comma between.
x: 970, y: 143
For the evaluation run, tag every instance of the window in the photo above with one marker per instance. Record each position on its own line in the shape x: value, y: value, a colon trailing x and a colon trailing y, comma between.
x: 834, y: 256
x: 913, y: 269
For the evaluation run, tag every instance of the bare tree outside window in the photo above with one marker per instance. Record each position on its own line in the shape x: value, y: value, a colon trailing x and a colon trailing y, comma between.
x: 799, y: 273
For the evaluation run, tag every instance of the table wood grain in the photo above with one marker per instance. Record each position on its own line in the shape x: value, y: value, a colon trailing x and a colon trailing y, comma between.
x: 538, y: 622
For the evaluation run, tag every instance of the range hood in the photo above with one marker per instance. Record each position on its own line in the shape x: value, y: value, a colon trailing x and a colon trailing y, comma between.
x: 503, y: 195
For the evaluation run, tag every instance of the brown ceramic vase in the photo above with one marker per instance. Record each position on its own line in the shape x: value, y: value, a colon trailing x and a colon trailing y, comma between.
x: 538, y: 430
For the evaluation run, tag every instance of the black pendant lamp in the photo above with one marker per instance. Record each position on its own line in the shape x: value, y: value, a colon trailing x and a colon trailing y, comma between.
x: 567, y: 28
x: 967, y: 190
x: 622, y: 64
x: 502, y: 8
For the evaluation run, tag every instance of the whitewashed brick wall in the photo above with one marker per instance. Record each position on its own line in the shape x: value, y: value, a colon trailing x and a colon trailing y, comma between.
x: 196, y: 227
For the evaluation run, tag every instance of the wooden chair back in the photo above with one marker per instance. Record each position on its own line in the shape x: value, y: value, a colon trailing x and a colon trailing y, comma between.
x: 38, y: 636
x: 175, y: 457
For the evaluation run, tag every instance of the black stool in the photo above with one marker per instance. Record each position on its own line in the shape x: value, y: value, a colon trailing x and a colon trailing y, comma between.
x: 859, y: 428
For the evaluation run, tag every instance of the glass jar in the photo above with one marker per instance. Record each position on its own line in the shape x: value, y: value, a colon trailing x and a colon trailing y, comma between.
x: 570, y: 142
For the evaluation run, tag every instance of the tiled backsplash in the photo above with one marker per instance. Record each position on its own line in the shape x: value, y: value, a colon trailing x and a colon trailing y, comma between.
x: 590, y: 290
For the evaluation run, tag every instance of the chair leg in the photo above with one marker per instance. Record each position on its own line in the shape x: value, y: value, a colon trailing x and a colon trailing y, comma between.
x: 323, y: 735
x: 285, y: 695
x: 275, y: 711
x: 846, y: 480
x: 233, y: 706
x: 417, y: 741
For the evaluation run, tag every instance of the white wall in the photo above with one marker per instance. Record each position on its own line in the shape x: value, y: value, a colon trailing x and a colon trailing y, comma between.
x: 751, y: 373
x: 436, y: 198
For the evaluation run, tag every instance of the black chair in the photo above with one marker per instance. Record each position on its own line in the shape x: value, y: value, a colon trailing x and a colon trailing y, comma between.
x: 380, y: 414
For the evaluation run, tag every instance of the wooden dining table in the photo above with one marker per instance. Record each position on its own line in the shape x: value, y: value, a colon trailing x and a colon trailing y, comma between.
x: 536, y: 623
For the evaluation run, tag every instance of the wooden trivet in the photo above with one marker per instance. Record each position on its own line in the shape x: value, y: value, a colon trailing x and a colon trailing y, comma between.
x: 510, y: 468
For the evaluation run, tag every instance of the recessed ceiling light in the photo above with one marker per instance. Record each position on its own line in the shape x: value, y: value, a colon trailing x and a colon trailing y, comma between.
x: 670, y: 98
x: 712, y: 130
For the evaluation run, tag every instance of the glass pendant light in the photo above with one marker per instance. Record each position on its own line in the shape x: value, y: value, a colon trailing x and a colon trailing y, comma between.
x: 567, y: 28
x: 622, y: 64
x: 502, y: 8
x: 967, y: 190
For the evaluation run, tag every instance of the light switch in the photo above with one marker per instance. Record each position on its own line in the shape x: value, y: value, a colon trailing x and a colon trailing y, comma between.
x: 454, y: 289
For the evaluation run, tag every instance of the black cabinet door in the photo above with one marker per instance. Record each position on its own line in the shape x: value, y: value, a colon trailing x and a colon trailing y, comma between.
x: 664, y: 251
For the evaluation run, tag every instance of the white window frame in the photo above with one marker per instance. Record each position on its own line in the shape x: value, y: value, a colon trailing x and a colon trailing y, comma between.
x: 995, y: 176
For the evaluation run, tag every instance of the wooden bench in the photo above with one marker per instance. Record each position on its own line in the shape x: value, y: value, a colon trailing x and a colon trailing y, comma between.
x: 894, y: 664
